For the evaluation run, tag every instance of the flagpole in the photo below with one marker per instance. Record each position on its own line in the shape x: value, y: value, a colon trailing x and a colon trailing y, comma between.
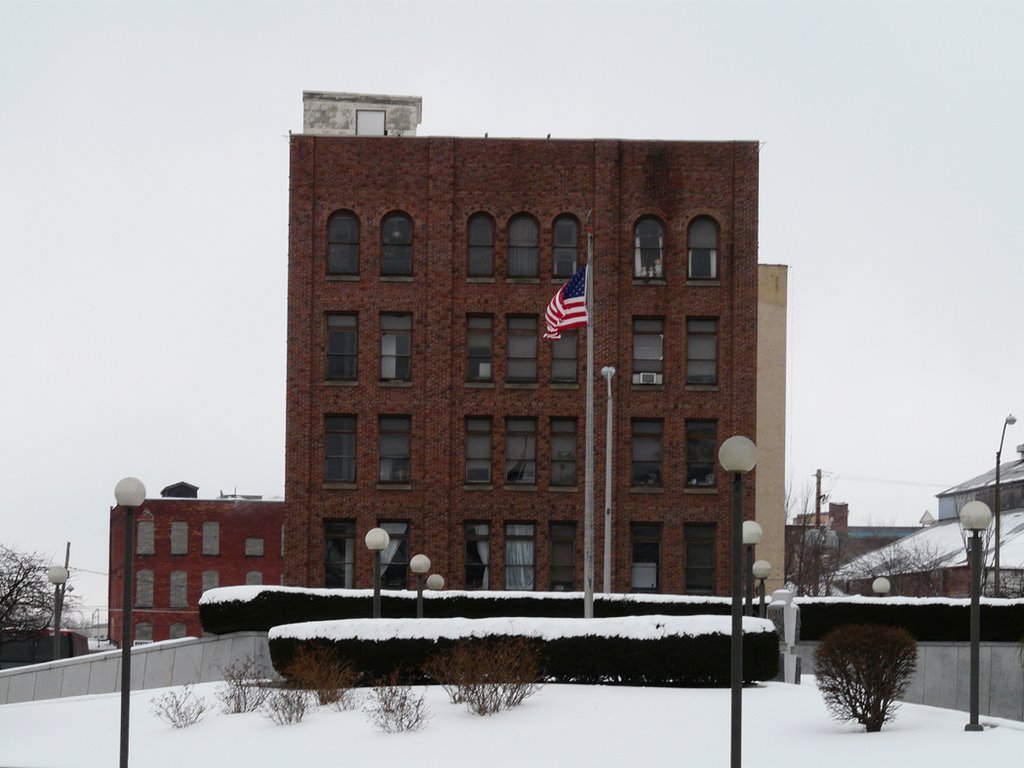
x: 588, y: 504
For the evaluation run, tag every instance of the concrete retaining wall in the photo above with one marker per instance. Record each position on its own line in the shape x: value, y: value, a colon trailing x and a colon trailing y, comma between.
x: 173, y: 662
x: 943, y: 677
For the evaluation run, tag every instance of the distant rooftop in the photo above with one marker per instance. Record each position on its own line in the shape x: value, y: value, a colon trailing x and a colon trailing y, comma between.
x: 1011, y: 472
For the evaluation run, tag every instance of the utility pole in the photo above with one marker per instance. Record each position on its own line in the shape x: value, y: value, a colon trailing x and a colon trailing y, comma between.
x: 817, y: 499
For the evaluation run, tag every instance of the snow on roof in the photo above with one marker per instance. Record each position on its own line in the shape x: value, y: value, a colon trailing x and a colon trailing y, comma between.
x: 1012, y: 472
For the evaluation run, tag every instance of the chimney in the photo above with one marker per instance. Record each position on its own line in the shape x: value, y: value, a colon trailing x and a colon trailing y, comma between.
x: 839, y: 517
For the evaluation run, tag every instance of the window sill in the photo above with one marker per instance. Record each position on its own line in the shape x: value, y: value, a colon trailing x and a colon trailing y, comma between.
x: 480, y: 384
x: 710, y: 283
x: 341, y: 382
x: 701, y: 387
x: 478, y: 487
x: 522, y: 385
x: 394, y: 486
x: 343, y: 278
x: 565, y: 385
x: 647, y: 387
x: 340, y: 486
x: 649, y: 281
x: 647, y: 489
x: 701, y: 490
x: 395, y: 383
x: 519, y: 487
x: 396, y: 278
x: 481, y: 280
x: 563, y: 488
x: 522, y: 280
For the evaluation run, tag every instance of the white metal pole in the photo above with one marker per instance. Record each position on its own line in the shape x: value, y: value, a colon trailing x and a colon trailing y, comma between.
x: 588, y: 504
x: 608, y: 372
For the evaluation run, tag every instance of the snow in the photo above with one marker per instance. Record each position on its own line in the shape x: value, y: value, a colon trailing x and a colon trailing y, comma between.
x: 784, y: 726
x: 635, y: 627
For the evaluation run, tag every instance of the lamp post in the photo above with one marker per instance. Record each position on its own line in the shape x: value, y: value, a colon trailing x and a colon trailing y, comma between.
x: 608, y: 371
x: 377, y: 540
x: 1008, y: 421
x: 761, y: 569
x: 752, y: 535
x: 881, y: 586
x: 975, y: 517
x: 129, y: 493
x: 58, y: 576
x: 737, y: 455
x: 435, y: 581
x: 419, y: 565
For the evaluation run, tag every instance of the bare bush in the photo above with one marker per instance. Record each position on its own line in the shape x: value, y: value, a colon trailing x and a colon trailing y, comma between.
x: 393, y: 707
x: 243, y: 689
x: 491, y: 675
x: 181, y: 708
x: 287, y: 706
x: 863, y: 670
x: 318, y: 670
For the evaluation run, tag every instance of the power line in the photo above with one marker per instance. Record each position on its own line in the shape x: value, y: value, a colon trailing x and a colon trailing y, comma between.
x: 889, y: 481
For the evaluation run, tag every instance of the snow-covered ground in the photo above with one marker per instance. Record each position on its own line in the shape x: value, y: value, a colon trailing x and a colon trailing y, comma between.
x: 785, y: 726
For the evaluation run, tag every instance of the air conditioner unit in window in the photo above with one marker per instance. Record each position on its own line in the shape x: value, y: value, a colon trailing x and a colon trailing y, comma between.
x: 647, y: 378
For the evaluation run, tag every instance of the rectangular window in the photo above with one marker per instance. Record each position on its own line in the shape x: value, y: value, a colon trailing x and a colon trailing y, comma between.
x: 479, y: 346
x: 143, y: 632
x: 394, y: 449
x: 478, y: 555
x: 522, y: 349
x: 519, y: 556
x: 647, y: 452
x: 339, y: 449
x: 144, y: 589
x: 646, y: 560
x: 566, y: 239
x: 342, y: 333
x: 701, y: 437
x: 648, y: 350
x: 563, y: 452
x: 176, y: 632
x: 395, y: 347
x: 179, y: 538
x: 521, y: 451
x: 211, y: 580
x: 254, y: 546
x: 254, y: 578
x: 144, y: 538
x: 339, y: 554
x: 211, y: 537
x: 563, y: 557
x: 481, y: 246
x: 564, y: 356
x: 478, y: 450
x: 179, y: 589
x: 394, y: 560
x: 701, y: 351
x: 700, y: 557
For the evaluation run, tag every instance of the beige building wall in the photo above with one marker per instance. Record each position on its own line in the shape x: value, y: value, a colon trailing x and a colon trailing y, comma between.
x: 771, y: 417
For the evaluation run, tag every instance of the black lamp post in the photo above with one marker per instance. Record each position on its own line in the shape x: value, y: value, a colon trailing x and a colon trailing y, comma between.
x: 997, y: 591
x: 737, y: 455
x: 377, y: 540
x: 975, y: 517
x: 129, y: 493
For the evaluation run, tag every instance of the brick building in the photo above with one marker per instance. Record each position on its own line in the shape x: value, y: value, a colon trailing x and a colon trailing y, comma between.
x: 184, y: 546
x: 422, y: 397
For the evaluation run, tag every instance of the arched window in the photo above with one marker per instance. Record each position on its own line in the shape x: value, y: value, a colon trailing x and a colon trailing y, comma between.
x: 396, y: 245
x: 481, y: 245
x: 343, y: 244
x: 650, y: 248
x: 565, y: 249
x: 702, y: 241
x: 522, y: 246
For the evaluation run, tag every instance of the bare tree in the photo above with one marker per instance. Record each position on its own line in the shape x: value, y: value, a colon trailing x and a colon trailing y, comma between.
x: 26, y: 595
x: 813, y: 555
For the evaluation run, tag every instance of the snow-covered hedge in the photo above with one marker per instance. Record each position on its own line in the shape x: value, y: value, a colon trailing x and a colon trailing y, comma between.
x: 635, y: 650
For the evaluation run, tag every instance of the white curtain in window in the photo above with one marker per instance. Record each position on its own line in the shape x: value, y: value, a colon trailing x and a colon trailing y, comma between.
x: 483, y: 550
x: 519, y: 558
x: 388, y: 359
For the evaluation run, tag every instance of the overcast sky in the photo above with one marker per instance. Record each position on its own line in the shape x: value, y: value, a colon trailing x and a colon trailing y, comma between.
x: 143, y: 217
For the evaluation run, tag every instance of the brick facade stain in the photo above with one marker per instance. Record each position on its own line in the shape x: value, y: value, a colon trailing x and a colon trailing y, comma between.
x: 440, y: 183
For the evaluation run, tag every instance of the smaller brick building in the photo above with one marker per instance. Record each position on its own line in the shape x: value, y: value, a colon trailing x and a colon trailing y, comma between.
x: 184, y: 546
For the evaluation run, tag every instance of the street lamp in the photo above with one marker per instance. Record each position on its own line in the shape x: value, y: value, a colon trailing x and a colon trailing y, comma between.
x: 881, y: 586
x: 975, y: 517
x: 608, y: 371
x: 1010, y: 420
x: 737, y: 455
x: 435, y: 581
x: 129, y: 493
x: 419, y: 565
x: 761, y: 569
x: 377, y: 540
x: 58, y: 576
x: 752, y: 535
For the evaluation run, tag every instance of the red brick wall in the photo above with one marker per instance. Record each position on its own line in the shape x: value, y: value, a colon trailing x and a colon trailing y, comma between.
x: 239, y: 520
x: 440, y: 183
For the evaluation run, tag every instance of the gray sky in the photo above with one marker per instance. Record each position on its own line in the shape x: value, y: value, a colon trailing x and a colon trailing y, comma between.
x: 143, y: 217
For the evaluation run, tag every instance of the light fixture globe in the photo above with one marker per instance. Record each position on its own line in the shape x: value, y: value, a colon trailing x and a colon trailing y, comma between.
x: 57, y: 575
x: 975, y: 516
x: 435, y: 581
x: 738, y: 454
x: 377, y: 539
x: 419, y: 564
x: 129, y: 492
x: 762, y: 569
x: 752, y: 532
x: 881, y: 586
x: 1011, y: 419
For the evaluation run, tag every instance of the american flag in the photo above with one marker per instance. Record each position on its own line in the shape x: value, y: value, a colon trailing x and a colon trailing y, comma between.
x: 568, y: 309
